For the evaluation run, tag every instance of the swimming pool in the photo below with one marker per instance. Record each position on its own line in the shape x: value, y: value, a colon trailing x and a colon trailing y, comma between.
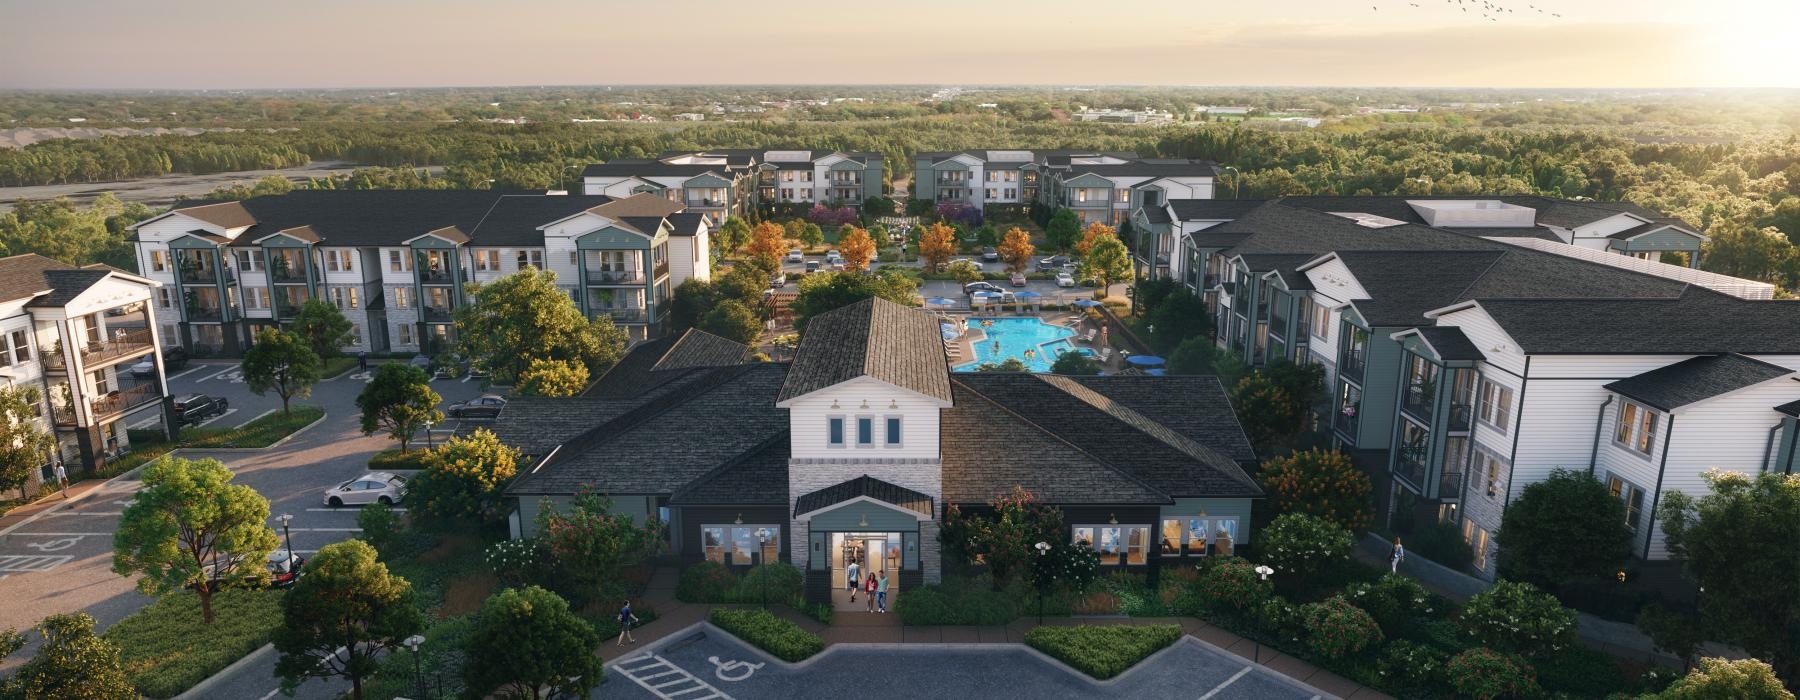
x: 1017, y: 335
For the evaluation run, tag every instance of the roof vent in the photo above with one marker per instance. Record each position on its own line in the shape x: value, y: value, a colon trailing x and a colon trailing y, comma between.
x: 1368, y: 220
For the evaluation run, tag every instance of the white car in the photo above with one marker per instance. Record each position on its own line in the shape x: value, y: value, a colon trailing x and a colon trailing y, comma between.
x: 795, y: 255
x: 146, y: 368
x: 1064, y: 279
x: 374, y: 487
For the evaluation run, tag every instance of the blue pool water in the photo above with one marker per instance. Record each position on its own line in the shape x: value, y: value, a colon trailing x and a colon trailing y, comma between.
x: 1017, y: 335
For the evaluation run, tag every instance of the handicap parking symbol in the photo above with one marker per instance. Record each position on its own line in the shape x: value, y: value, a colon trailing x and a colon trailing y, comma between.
x: 55, y: 545
x: 733, y: 670
x: 364, y: 377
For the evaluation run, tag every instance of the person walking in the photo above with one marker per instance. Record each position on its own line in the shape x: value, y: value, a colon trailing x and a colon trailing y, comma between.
x: 362, y: 361
x: 626, y: 620
x: 62, y: 479
x: 1396, y: 556
x: 853, y: 579
x: 869, y: 588
x: 881, y: 585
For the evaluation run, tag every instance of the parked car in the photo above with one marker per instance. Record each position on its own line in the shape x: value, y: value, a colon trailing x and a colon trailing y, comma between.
x: 284, y: 568
x: 374, y: 487
x: 483, y: 406
x: 144, y: 368
x: 990, y: 254
x: 812, y: 266
x: 778, y: 280
x: 974, y: 287
x: 833, y: 254
x: 420, y: 361
x: 1053, y: 262
x: 795, y: 255
x: 1017, y: 279
x: 837, y: 264
x: 174, y: 360
x: 1064, y: 279
x: 194, y: 409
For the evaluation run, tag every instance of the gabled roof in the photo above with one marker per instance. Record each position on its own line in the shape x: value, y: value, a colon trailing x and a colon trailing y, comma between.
x: 66, y: 285
x: 697, y: 348
x: 1653, y: 227
x: 873, y: 338
x: 643, y: 167
x: 1212, y: 209
x: 686, y: 223
x: 658, y: 362
x: 1699, y: 321
x: 52, y: 282
x: 864, y: 486
x: 1696, y: 379
x: 1791, y: 408
x: 1449, y: 342
x: 225, y: 215
x: 758, y: 477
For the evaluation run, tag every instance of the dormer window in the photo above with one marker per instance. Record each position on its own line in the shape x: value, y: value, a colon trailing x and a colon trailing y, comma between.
x: 834, y: 431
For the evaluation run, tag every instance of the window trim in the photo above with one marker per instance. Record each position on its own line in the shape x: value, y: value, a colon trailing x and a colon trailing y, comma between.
x: 835, y: 424
x: 893, y: 431
x: 863, y: 420
x: 727, y: 546
x: 1185, y: 546
x: 1625, y: 489
x: 1124, y: 552
x: 1483, y: 403
x: 1645, y: 415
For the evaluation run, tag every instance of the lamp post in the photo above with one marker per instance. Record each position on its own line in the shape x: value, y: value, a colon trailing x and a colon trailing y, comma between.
x: 1262, y: 570
x: 286, y: 538
x: 412, y: 644
x: 1235, y: 176
x: 762, y: 541
x: 1043, y: 550
x: 428, y: 443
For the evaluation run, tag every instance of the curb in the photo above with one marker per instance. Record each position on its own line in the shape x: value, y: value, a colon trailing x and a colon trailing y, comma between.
x: 290, y: 436
x: 200, y: 689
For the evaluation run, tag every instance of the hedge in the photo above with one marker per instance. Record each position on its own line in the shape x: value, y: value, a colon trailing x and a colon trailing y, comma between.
x: 763, y: 630
x: 166, y: 648
x: 393, y: 459
x: 1102, y: 651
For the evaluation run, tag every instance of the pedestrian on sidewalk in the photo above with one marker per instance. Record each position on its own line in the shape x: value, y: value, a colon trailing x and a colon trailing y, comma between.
x: 1396, y: 556
x: 626, y: 619
x: 869, y: 588
x: 62, y: 479
x: 362, y: 361
x: 881, y: 591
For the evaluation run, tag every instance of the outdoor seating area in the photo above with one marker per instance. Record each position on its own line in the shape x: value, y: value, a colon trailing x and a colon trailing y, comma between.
x: 1036, y: 338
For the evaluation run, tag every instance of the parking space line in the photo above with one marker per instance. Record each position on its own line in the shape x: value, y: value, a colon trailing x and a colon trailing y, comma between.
x: 184, y: 373
x: 59, y: 534
x: 209, y: 421
x: 259, y: 415
x: 1233, y: 679
x: 346, y: 509
x: 64, y: 514
x: 659, y: 667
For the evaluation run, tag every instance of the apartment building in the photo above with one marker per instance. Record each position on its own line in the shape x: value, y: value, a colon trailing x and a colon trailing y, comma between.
x: 733, y: 181
x: 833, y: 178
x: 1099, y: 187
x: 1471, y: 347
x: 73, y: 334
x: 398, y: 263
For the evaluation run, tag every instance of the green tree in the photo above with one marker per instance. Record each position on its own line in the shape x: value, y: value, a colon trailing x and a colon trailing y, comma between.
x: 190, y: 527
x: 399, y: 401
x: 1108, y: 262
x: 1564, y: 527
x: 820, y: 293
x: 1268, y: 414
x: 323, y: 326
x: 593, y: 546
x: 463, y: 479
x: 745, y: 282
x: 524, y: 316
x: 1721, y: 679
x: 1063, y: 230
x: 1321, y: 483
x: 810, y: 235
x: 73, y: 664
x: 1010, y: 364
x: 731, y: 319
x: 1006, y: 537
x: 1679, y: 634
x: 732, y: 235
x: 1195, y: 356
x: 963, y: 271
x: 878, y: 206
x: 552, y: 378
x: 23, y: 446
x: 1075, y: 364
x: 1738, y: 543
x: 281, y: 362
x: 1516, y: 617
x: 342, y: 617
x: 690, y: 302
x: 528, y: 644
x: 987, y: 235
x: 1173, y: 319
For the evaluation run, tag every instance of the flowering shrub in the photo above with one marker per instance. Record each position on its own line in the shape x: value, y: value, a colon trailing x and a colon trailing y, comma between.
x: 1398, y: 603
x: 827, y: 216
x: 1485, y: 674
x: 1301, y: 547
x: 1517, y: 618
x: 1230, y: 584
x: 593, y: 547
x: 960, y: 213
x: 1409, y: 666
x: 519, y: 563
x: 1335, y: 628
x: 1282, y: 619
x: 1320, y: 483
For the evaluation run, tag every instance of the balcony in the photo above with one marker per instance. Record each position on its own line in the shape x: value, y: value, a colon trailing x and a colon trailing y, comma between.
x: 1460, y: 416
x: 843, y: 183
x: 1277, y: 326
x: 1351, y: 367
x: 615, y: 278
x: 204, y: 314
x: 623, y: 315
x: 951, y: 182
x: 435, y: 277
x: 1346, y: 421
x: 1418, y: 401
x: 97, y: 353
x: 1450, y: 486
x: 110, y: 405
x: 660, y: 271
x: 705, y: 202
x: 196, y: 274
x: 436, y: 314
x: 1411, y: 465
x: 281, y: 272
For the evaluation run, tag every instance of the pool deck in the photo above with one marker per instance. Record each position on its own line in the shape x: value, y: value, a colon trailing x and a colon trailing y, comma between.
x: 962, y: 349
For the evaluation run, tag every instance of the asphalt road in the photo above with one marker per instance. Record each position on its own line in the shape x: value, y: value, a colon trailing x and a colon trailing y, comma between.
x: 708, y: 664
x: 61, y: 562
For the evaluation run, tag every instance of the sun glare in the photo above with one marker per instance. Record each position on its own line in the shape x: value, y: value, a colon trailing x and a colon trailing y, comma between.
x: 1751, y: 44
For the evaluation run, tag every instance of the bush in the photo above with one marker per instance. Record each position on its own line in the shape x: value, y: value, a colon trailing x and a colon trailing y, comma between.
x: 262, y: 432
x: 705, y: 582
x: 393, y: 460
x: 1102, y: 651
x: 765, y: 631
x: 520, y: 562
x: 1485, y: 674
x: 1745, y: 679
x: 1302, y: 547
x: 166, y: 648
x: 1335, y: 628
x: 775, y: 581
x: 1227, y: 584
x: 1518, y: 618
x: 1413, y: 669
x: 1282, y: 620
x: 381, y: 526
x: 1567, y: 526
x: 1397, y: 603
x: 1582, y: 672
x: 963, y: 601
x: 1321, y: 483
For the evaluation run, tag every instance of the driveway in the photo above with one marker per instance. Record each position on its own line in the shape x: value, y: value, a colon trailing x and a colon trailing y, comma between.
x: 707, y: 663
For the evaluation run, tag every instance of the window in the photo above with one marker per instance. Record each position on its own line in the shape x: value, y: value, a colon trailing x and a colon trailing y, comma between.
x: 741, y: 544
x: 1321, y: 322
x: 1191, y: 536
x: 1491, y: 467
x: 574, y: 258
x: 834, y: 431
x: 159, y: 261
x: 487, y: 260
x: 21, y: 346
x: 1170, y: 546
x: 339, y: 260
x: 249, y: 261
x: 1481, y: 548
x: 1495, y: 405
x: 865, y: 431
x: 399, y: 261
x: 165, y: 297
x: 404, y: 297
x: 1637, y: 427
x: 404, y: 334
x: 1124, y: 194
x: 1631, y: 496
x: 712, y: 543
x: 893, y: 431
x: 531, y: 258
x: 256, y: 297
x: 1116, y: 544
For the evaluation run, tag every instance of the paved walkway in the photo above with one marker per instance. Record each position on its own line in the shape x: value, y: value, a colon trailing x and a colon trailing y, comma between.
x: 876, y: 628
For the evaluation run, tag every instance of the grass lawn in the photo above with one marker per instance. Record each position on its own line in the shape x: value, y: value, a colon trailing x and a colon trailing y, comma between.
x: 1102, y: 651
x: 335, y: 366
x: 166, y: 648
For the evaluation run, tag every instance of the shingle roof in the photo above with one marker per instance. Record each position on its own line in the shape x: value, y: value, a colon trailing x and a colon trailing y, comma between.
x: 1213, y: 209
x: 758, y: 477
x: 1699, y: 321
x: 1642, y: 229
x: 1450, y: 343
x: 1791, y: 408
x: 535, y: 425
x: 697, y: 348
x: 685, y: 223
x: 67, y: 284
x: 876, y: 338
x: 30, y: 275
x: 988, y: 449
x: 1696, y: 379
x: 657, y: 363
x: 227, y: 215
x: 861, y: 487
x: 654, y: 168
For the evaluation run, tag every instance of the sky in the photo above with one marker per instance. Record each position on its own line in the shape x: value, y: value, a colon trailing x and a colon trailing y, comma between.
x: 246, y: 44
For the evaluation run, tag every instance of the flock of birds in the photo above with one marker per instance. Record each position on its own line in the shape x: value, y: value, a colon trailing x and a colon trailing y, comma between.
x: 1489, y: 10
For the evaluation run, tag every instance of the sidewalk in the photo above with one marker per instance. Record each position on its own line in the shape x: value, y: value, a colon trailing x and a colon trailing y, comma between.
x: 44, y: 504
x: 876, y: 628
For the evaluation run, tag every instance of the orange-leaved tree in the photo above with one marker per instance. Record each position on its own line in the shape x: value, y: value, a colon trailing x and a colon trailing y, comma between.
x: 768, y: 241
x: 1016, y: 249
x: 857, y: 248
x: 1091, y: 235
x: 937, y: 245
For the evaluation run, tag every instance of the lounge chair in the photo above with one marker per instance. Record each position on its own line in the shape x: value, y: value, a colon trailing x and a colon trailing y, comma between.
x: 1089, y: 337
x: 1106, y: 354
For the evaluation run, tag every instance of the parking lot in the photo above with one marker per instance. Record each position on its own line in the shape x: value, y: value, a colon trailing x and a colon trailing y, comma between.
x: 711, y: 664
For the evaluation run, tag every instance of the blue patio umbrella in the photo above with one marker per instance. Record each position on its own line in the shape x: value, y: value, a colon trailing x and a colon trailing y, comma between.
x: 1028, y: 294
x: 1144, y: 360
x: 940, y: 301
x: 1086, y: 303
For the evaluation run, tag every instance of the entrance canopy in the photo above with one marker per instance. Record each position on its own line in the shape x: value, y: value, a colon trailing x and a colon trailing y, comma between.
x: 865, y: 489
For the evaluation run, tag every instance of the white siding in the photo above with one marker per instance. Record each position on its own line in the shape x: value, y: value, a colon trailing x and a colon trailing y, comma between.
x: 807, y: 421
x: 1495, y: 345
x: 1333, y: 278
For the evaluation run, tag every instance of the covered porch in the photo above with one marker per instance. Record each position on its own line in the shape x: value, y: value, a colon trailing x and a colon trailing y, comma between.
x: 868, y: 526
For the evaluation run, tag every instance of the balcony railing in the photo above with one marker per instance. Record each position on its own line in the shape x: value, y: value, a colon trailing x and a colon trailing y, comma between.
x: 624, y: 315
x: 1417, y: 401
x: 287, y: 274
x: 661, y: 270
x: 436, y: 313
x: 109, y: 405
x: 122, y: 344
x: 1411, y: 465
x: 1352, y: 365
x: 194, y: 274
x: 1346, y: 420
x: 205, y: 313
x: 843, y: 183
x: 1277, y: 326
x: 953, y: 182
x: 1460, y: 415
x: 1450, y: 485
x: 705, y: 202
x: 435, y: 276
x: 615, y: 277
